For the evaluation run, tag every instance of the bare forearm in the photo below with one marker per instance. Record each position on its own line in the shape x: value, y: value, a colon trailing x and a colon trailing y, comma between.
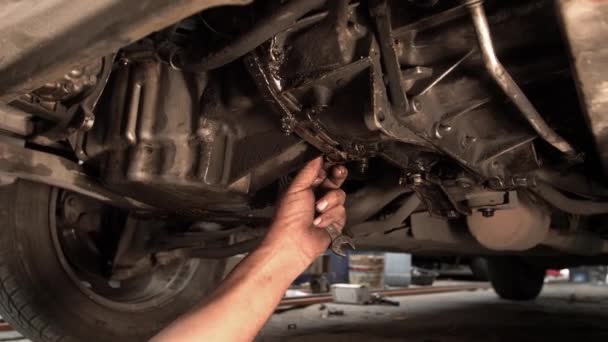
x: 243, y: 303
x: 247, y: 297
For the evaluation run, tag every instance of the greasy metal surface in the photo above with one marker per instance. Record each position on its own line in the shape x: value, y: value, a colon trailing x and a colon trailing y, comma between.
x: 15, y: 121
x: 44, y: 40
x: 585, y: 26
x: 205, y: 142
x: 173, y: 140
x: 455, y: 116
x: 508, y: 85
x: 380, y: 12
x: 282, y: 18
x: 19, y: 162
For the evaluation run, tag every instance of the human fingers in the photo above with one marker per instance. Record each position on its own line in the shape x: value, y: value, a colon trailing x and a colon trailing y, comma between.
x: 335, y: 177
x: 330, y: 200
x: 309, y: 175
x: 335, y: 216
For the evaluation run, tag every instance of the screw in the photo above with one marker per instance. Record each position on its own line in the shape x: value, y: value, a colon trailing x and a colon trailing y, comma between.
x: 124, y: 61
x: 363, y: 166
x: 487, y: 212
x: 287, y: 125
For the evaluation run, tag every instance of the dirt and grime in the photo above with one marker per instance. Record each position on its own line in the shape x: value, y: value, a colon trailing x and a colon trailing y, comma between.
x: 564, y: 312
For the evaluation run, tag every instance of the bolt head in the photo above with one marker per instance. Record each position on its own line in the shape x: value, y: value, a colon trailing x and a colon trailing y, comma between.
x: 416, y: 105
x: 487, y: 212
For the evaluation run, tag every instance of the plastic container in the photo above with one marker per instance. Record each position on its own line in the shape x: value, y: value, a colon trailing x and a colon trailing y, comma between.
x: 397, y: 269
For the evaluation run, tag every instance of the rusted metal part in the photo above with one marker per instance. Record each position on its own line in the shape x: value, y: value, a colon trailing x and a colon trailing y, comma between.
x: 585, y: 29
x: 73, y: 83
x: 19, y: 162
x: 437, y: 201
x: 273, y: 23
x: 380, y: 12
x: 15, y: 121
x: 508, y: 85
x: 287, y: 109
x: 489, y: 152
x: 161, y: 141
x: 310, y: 300
x: 173, y: 140
x: 43, y: 41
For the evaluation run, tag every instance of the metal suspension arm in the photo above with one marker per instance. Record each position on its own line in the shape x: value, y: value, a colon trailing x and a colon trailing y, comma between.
x: 508, y: 85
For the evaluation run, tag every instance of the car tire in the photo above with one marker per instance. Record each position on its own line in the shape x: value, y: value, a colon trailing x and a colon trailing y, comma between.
x: 479, y: 268
x: 514, y: 279
x: 39, y: 298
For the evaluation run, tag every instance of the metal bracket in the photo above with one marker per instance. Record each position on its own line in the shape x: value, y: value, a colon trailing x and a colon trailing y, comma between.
x: 23, y: 163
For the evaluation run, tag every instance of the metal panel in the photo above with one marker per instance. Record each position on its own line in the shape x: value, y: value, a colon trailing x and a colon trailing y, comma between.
x: 585, y: 25
x: 42, y: 40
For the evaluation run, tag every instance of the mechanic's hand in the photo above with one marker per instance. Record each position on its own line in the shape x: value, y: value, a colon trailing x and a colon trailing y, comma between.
x: 296, y: 228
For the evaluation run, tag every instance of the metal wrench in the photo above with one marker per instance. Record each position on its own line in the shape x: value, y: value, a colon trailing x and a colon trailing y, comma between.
x: 338, y: 240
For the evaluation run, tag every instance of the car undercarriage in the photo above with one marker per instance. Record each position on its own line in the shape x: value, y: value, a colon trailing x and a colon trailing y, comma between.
x: 161, y: 134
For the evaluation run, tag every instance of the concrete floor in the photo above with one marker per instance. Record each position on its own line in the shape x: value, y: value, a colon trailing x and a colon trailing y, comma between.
x: 564, y: 312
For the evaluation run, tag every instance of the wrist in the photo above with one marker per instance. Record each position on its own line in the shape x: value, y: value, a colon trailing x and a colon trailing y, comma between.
x: 288, y: 252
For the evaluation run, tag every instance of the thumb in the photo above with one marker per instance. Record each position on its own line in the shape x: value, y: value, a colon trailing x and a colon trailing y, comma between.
x: 307, y: 176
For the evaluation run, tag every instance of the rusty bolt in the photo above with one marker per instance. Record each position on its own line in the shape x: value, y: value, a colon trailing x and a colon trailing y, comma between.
x: 287, y: 125
x: 363, y: 166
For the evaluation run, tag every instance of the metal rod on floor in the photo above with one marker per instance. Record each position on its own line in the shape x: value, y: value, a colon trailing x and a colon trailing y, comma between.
x: 415, y: 291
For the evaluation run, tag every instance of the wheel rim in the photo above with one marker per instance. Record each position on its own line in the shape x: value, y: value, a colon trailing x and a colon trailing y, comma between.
x: 85, y: 268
